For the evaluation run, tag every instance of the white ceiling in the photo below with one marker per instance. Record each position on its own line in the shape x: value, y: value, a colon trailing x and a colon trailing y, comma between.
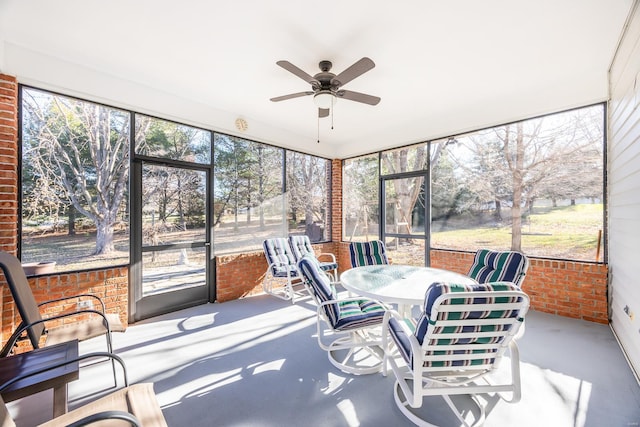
x: 442, y: 67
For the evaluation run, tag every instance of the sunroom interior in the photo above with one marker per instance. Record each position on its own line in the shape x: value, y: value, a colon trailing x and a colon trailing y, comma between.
x: 454, y: 79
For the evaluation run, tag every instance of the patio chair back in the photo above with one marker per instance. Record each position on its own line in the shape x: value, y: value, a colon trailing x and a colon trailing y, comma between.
x: 368, y: 253
x: 279, y: 257
x: 301, y: 246
x: 460, y: 337
x: 473, y: 321
x: 495, y: 266
x: 281, y: 279
x: 319, y: 287
x: 23, y: 298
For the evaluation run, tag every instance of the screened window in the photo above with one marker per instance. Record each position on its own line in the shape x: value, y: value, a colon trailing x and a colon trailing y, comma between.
x: 308, y: 184
x: 75, y: 178
x: 164, y: 139
x: 249, y: 205
x: 360, y: 207
x: 535, y: 186
x: 406, y: 159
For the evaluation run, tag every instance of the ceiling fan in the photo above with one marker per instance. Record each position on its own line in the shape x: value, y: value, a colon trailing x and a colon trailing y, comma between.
x: 326, y: 86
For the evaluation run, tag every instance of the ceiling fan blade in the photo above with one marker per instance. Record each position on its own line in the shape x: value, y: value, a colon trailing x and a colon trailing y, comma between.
x: 323, y: 112
x: 297, y: 71
x: 358, y: 97
x: 357, y: 69
x: 292, y: 95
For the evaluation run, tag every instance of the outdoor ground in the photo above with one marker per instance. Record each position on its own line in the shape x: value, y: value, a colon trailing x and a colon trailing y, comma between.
x: 569, y: 232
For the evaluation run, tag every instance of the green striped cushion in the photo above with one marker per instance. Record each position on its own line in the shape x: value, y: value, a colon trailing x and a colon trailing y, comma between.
x: 368, y: 253
x: 439, y: 288
x: 494, y: 266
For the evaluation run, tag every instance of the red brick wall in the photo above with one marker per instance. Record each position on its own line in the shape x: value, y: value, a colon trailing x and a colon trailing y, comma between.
x: 8, y: 182
x: 111, y: 284
x: 336, y: 200
x: 240, y: 275
x: 8, y: 164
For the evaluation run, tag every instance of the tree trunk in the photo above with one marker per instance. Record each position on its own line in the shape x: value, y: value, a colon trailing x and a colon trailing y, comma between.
x: 72, y: 220
x: 248, y: 201
x: 261, y: 185
x: 497, y: 213
x: 516, y: 209
x: 104, y: 237
x: 182, y: 220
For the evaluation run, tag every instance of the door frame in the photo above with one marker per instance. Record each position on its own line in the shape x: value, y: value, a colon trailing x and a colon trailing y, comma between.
x: 426, y: 236
x: 141, y: 307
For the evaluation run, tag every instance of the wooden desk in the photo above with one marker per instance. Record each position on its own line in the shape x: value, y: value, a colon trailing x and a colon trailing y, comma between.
x: 56, y: 379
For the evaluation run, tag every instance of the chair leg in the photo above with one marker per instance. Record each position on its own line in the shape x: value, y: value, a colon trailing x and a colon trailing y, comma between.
x: 403, y: 405
x: 348, y: 353
x: 113, y: 362
x: 515, y: 386
x: 273, y: 286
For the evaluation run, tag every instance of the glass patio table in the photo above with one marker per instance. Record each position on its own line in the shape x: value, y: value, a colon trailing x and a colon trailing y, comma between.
x: 403, y: 285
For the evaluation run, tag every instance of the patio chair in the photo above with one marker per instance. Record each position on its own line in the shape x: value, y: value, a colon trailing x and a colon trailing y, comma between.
x: 301, y: 246
x: 368, y: 253
x: 281, y: 279
x: 497, y: 266
x: 80, y: 324
x: 136, y: 405
x: 458, y: 341
x: 348, y: 329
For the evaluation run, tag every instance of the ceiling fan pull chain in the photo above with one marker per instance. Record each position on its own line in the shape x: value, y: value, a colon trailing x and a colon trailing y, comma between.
x: 332, y: 117
x: 318, y: 119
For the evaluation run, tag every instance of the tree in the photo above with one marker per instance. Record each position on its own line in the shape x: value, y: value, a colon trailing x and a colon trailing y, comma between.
x: 175, y: 191
x: 406, y: 190
x: 247, y: 175
x: 360, y: 194
x: 552, y: 157
x: 79, y: 152
x: 307, y: 190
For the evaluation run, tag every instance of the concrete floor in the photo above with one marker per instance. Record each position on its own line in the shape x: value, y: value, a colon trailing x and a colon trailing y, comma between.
x: 256, y: 362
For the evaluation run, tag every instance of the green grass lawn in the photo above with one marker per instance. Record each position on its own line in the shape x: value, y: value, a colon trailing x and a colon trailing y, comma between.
x: 562, y: 232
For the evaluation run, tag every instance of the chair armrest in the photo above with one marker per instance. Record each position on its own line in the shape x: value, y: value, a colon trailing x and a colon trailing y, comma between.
x: 330, y: 255
x: 403, y: 321
x: 281, y: 264
x: 70, y: 314
x: 72, y: 297
x: 409, y: 331
x: 101, y: 354
x: 6, y: 350
x: 107, y: 415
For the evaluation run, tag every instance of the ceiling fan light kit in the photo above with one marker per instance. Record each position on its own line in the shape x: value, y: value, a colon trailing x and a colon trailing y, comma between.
x: 324, y: 99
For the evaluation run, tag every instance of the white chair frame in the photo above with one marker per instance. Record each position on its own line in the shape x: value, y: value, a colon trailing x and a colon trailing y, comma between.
x: 288, y: 287
x: 354, y: 341
x: 420, y: 382
x: 368, y: 339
